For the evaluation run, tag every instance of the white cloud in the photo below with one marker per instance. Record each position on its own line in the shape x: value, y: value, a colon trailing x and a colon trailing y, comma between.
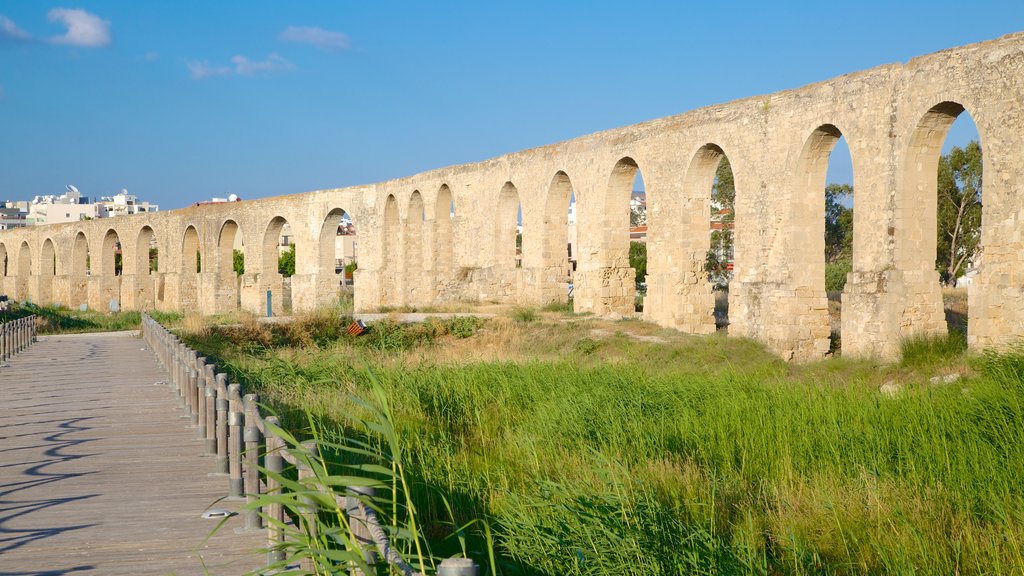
x: 151, y: 56
x: 10, y: 31
x: 322, y: 39
x: 242, y: 66
x: 84, y: 29
x: 200, y: 70
x: 273, y: 64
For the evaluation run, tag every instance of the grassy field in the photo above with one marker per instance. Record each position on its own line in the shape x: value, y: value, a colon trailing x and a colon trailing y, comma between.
x: 594, y: 447
x: 61, y: 320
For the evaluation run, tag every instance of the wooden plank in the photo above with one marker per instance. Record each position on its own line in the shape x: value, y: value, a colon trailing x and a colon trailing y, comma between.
x: 99, y: 471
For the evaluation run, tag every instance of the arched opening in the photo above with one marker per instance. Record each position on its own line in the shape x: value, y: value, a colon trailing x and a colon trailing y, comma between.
x: 110, y: 260
x: 822, y: 253
x: 942, y: 208
x: 81, y: 263
x: 148, y: 283
x: 191, y: 256
x: 47, y: 271
x: 338, y: 252
x: 444, y: 233
x: 230, y: 264
x: 508, y: 230
x: 391, y: 252
x: 414, y: 225
x: 24, y: 261
x: 3, y: 260
x: 230, y: 250
x: 147, y: 253
x: 624, y: 239
x: 710, y: 175
x: 80, y: 271
x: 278, y: 264
x: 559, y: 240
x: 48, y: 259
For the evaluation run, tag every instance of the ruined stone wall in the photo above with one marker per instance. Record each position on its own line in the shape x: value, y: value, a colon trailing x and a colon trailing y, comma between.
x: 415, y: 252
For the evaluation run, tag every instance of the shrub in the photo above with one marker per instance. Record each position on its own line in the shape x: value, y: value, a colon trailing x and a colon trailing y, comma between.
x: 462, y: 326
x: 524, y: 315
x: 835, y: 275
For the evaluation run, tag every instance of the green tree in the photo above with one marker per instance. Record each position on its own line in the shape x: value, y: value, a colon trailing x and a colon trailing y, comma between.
x: 838, y: 223
x: 286, y: 262
x: 199, y: 262
x: 959, y: 210
x: 723, y: 212
x: 638, y: 260
x: 238, y: 262
x: 154, y: 258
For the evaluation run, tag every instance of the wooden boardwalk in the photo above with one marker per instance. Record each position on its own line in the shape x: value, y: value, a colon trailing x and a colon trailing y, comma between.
x: 101, y: 474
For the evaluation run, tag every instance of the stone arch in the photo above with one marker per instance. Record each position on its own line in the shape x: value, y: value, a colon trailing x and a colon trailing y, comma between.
x: 699, y: 182
x: 3, y: 260
x: 191, y: 254
x: 48, y: 259
x: 227, y: 240
x: 81, y: 263
x: 608, y: 284
x: 506, y: 230
x: 146, y: 262
x: 444, y: 232
x: 228, y: 295
x: 336, y: 249
x: 917, y: 216
x: 807, y: 221
x: 271, y: 277
x: 271, y: 242
x: 806, y: 240
x: 391, y: 252
x: 109, y: 261
x: 557, y: 268
x: 22, y: 272
x: 24, y: 260
x: 415, y: 219
x: 148, y: 287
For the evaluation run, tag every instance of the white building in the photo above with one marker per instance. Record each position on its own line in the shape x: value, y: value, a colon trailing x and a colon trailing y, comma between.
x: 125, y: 204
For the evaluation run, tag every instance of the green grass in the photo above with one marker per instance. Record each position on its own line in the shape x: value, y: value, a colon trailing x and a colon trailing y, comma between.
x: 61, y: 320
x: 587, y: 451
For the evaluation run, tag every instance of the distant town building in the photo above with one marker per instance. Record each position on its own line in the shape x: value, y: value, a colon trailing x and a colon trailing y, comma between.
x: 125, y: 204
x: 71, y: 206
x: 12, y: 217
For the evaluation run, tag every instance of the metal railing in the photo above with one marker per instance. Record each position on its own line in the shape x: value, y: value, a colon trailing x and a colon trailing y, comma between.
x: 16, y: 335
x: 233, y: 429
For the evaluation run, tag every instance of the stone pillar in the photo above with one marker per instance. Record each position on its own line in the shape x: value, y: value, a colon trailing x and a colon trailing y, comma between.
x: 605, y: 291
x: 169, y: 301
x: 206, y: 293
x: 306, y: 292
x: 686, y: 306
x: 21, y: 289
x: 224, y: 292
x: 253, y: 299
x: 136, y: 292
x: 103, y: 289
x: 61, y: 293
x: 41, y: 289
x: 366, y: 290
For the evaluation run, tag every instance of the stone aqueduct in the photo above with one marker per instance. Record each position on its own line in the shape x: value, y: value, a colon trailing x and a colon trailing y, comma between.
x: 414, y: 250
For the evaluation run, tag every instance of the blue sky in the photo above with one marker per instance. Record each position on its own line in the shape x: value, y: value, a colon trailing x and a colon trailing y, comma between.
x: 181, y: 101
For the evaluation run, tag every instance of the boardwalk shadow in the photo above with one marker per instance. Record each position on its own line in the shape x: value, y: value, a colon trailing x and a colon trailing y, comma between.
x: 51, y: 572
x: 20, y: 497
